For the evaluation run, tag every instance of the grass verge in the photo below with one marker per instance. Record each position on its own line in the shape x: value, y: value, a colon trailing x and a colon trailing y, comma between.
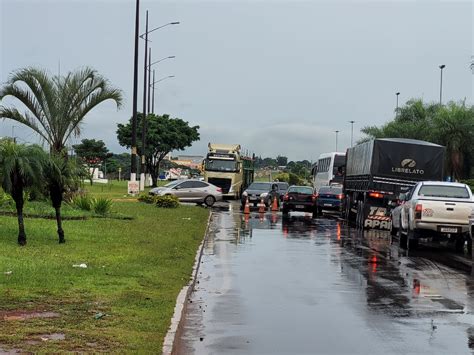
x: 135, y: 269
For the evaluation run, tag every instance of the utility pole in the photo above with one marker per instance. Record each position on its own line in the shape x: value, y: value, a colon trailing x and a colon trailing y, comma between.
x: 441, y: 67
x: 396, y: 107
x: 337, y: 132
x: 145, y: 67
x: 352, y: 133
x: 153, y: 94
x: 133, y: 166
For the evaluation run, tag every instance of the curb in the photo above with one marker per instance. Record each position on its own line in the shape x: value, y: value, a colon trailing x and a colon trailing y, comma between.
x: 176, y: 327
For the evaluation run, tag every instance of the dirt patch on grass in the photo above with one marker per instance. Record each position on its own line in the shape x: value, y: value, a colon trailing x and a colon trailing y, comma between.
x: 23, y: 315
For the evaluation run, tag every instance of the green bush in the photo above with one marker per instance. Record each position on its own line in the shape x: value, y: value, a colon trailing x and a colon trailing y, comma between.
x: 6, y: 200
x: 167, y: 201
x: 147, y: 198
x: 102, y: 205
x: 285, y: 177
x: 295, y: 180
x: 81, y: 201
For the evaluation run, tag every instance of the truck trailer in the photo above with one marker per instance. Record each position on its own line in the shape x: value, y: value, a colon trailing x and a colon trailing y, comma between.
x: 228, y: 169
x: 379, y: 170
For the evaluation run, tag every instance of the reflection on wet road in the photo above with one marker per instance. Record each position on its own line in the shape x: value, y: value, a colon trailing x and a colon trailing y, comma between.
x: 314, y: 286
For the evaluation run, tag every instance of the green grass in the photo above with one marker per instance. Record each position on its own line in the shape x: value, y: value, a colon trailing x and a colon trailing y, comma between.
x: 135, y: 271
x: 114, y: 189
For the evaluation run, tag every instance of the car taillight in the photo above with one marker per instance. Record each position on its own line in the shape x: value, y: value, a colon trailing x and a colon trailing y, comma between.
x: 285, y: 198
x: 340, y: 196
x: 376, y: 195
x: 314, y: 197
x: 219, y: 189
x: 418, y: 210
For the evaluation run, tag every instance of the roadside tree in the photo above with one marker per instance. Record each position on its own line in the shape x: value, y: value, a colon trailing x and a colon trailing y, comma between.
x: 59, y: 175
x: 56, y: 106
x: 92, y: 153
x: 164, y: 134
x: 21, y: 167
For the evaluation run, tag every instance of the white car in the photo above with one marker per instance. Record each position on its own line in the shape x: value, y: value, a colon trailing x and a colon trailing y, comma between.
x: 436, y: 210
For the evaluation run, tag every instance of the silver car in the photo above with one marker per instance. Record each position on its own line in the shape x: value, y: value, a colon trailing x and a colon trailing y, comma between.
x: 189, y: 190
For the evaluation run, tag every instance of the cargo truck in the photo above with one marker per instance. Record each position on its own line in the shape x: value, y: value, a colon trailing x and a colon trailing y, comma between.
x: 228, y: 169
x: 379, y: 170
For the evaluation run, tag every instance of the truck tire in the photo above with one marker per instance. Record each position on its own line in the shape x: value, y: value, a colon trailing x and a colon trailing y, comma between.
x: 360, y: 214
x: 402, y: 239
x: 412, y: 241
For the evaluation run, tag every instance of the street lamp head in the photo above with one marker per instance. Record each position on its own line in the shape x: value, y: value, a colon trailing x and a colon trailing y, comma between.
x: 442, y: 66
x: 174, y: 23
x: 397, y: 93
x: 171, y: 57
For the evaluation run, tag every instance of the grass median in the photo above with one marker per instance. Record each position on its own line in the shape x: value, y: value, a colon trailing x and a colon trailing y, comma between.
x: 122, y: 301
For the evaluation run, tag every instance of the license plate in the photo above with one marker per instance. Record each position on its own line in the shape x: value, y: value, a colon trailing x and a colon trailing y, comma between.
x: 448, y: 229
x: 328, y: 205
x: 299, y: 206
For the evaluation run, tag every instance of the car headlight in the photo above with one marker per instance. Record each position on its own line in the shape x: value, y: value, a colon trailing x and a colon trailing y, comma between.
x: 245, y: 193
x: 265, y: 194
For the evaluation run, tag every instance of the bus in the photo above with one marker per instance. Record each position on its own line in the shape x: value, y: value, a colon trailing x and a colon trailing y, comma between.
x: 329, y: 169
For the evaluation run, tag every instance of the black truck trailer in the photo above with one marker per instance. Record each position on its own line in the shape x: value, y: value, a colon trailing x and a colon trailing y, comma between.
x: 378, y: 170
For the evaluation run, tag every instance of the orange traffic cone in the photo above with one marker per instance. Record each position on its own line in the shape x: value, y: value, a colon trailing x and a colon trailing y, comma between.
x: 247, y: 206
x: 275, y: 204
x: 262, y: 206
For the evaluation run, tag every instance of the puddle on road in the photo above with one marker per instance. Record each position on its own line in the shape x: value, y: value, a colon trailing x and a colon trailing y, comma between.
x: 303, y: 285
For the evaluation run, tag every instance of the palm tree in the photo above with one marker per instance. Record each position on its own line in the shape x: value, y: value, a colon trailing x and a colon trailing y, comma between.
x: 454, y: 128
x: 59, y: 174
x: 20, y: 168
x: 56, y: 106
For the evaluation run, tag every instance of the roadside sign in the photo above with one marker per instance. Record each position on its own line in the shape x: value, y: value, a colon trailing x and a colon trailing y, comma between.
x: 133, y: 187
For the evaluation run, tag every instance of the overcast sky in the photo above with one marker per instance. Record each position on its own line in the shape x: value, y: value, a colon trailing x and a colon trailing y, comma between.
x: 278, y: 77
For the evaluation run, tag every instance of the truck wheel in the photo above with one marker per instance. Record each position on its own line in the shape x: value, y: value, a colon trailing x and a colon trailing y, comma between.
x: 402, y: 239
x: 360, y: 215
x: 461, y: 243
x: 412, y: 242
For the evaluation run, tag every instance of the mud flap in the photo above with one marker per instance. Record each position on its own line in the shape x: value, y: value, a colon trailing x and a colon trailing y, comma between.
x: 376, y: 217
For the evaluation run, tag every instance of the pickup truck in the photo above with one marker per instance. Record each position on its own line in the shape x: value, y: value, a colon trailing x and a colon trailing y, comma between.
x: 436, y: 210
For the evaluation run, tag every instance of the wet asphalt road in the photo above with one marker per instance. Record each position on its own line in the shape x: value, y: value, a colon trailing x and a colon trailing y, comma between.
x: 314, y: 286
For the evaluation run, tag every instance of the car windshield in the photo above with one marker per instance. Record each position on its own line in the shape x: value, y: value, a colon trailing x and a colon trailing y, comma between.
x: 173, y: 183
x: 330, y: 190
x: 221, y: 165
x: 263, y: 186
x: 444, y: 191
x: 301, y: 190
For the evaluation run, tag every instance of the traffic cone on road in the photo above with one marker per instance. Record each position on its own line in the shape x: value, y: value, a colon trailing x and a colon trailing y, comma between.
x: 262, y: 206
x: 274, y: 204
x: 247, y: 206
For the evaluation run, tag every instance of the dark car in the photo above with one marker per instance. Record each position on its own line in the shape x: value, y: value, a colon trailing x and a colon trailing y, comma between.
x: 257, y: 191
x: 330, y: 198
x: 299, y: 198
x: 282, y: 188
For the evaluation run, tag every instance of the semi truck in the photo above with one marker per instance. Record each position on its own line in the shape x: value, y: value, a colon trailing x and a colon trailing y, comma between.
x: 379, y: 170
x: 228, y: 169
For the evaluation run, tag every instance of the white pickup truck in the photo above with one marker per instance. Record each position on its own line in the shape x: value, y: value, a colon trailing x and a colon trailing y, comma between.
x: 435, y: 210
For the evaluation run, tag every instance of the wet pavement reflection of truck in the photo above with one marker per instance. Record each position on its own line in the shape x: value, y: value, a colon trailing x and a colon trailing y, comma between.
x: 299, y: 285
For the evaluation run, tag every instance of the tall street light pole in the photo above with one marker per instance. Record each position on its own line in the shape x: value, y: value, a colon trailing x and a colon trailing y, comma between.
x: 441, y: 67
x: 337, y: 132
x: 352, y: 133
x: 153, y: 94
x: 151, y: 88
x: 133, y: 165
x: 396, y: 107
x: 145, y: 66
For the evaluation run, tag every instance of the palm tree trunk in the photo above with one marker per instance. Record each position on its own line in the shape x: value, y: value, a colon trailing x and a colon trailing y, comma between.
x: 60, y: 225
x: 21, y: 227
